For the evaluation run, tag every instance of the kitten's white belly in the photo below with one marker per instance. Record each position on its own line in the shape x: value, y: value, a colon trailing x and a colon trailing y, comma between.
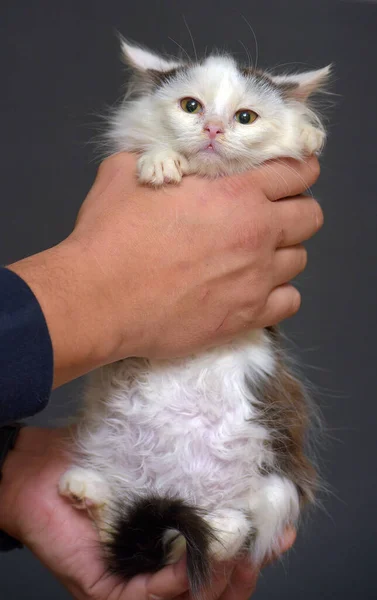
x: 180, y: 428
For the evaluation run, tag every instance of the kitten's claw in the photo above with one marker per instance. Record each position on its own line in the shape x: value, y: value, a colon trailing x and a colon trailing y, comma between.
x: 312, y: 139
x: 159, y: 167
x: 86, y: 489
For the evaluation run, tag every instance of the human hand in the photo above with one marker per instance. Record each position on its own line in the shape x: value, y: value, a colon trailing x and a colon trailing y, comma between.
x: 65, y: 541
x: 164, y: 273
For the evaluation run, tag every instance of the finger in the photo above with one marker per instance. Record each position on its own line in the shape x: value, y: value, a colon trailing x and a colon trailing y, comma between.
x: 167, y: 590
x: 283, y: 302
x: 135, y: 589
x: 169, y: 582
x: 288, y: 540
x: 242, y: 583
x: 288, y: 263
x: 117, y: 162
x: 285, y: 544
x: 220, y: 577
x: 298, y: 220
x: 287, y: 177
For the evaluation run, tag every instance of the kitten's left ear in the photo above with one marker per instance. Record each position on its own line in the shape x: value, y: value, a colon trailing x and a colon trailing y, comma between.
x: 303, y: 85
x: 143, y: 60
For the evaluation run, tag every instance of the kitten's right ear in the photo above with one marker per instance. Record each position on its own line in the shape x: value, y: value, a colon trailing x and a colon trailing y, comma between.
x: 143, y: 60
x: 301, y: 86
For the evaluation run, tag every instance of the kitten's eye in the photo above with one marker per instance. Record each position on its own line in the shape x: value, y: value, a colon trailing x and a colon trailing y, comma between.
x: 245, y: 117
x: 191, y: 105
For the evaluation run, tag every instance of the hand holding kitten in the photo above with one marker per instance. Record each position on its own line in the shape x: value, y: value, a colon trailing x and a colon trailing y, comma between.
x: 114, y: 288
x: 66, y: 542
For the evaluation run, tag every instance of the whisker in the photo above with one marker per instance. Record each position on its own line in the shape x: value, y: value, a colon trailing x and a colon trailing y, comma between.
x: 181, y: 47
x: 255, y: 40
x: 191, y: 36
x: 247, y: 53
x: 292, y: 63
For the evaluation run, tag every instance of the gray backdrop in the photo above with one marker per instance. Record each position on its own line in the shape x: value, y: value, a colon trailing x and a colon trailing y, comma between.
x: 59, y: 66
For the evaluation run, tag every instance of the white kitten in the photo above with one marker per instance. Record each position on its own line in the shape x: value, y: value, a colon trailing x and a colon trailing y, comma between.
x: 205, y: 453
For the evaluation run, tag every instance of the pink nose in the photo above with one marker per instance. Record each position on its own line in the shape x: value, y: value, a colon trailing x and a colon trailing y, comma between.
x: 213, y: 130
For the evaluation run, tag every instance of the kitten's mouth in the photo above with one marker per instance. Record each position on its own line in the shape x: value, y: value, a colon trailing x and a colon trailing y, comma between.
x: 210, y: 148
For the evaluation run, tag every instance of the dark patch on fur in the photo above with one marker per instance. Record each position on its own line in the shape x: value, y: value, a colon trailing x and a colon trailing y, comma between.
x: 161, y: 77
x: 145, y: 82
x: 285, y: 88
x: 286, y: 413
x: 256, y: 74
x: 137, y: 544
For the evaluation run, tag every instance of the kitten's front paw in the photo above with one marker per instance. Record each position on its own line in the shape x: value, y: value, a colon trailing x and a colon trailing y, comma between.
x: 162, y: 166
x: 312, y: 139
x: 86, y: 489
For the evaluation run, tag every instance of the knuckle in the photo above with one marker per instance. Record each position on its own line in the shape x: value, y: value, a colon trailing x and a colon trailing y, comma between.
x: 280, y: 237
x: 259, y: 304
x: 234, y: 186
x: 245, y: 319
x: 244, y: 237
x: 259, y: 234
x: 256, y: 306
x: 252, y: 237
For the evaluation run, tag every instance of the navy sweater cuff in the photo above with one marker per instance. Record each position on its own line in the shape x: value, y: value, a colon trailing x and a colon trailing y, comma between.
x: 26, y: 357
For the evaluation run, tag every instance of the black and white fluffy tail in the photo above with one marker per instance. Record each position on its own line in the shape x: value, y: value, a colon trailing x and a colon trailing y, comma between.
x: 143, y: 539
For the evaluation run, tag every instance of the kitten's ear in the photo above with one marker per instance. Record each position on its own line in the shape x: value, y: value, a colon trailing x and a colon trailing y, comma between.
x: 303, y: 85
x: 142, y: 60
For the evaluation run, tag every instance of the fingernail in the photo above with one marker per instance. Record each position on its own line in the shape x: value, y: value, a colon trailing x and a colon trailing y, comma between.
x: 153, y: 597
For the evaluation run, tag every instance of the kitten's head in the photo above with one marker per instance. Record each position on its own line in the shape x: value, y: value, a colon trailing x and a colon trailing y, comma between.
x: 220, y: 115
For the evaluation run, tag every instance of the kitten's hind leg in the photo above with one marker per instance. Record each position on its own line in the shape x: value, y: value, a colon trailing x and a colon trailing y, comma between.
x: 161, y: 166
x: 231, y: 529
x: 86, y: 489
x: 273, y: 507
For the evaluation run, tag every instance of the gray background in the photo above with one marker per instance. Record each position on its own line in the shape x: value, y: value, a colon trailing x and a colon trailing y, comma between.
x: 59, y: 66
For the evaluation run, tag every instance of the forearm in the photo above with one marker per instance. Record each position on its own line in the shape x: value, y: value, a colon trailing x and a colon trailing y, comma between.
x: 64, y: 284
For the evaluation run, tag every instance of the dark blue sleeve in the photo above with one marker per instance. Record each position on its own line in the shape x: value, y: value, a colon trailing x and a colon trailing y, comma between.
x: 26, y: 359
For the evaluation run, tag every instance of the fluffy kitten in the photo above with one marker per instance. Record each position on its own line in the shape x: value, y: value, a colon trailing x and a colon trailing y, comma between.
x: 204, y: 454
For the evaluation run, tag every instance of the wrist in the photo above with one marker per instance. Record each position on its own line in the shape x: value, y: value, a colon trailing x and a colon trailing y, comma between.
x: 68, y: 289
x: 21, y: 479
x: 8, y: 438
x: 9, y: 489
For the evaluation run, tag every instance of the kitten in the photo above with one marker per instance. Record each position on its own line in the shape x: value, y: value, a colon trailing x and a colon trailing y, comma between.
x: 204, y: 454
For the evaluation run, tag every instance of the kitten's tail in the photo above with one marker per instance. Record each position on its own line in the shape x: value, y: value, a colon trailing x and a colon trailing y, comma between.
x: 148, y: 536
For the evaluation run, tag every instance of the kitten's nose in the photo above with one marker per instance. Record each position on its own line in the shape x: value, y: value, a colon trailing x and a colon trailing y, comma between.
x: 213, y: 130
